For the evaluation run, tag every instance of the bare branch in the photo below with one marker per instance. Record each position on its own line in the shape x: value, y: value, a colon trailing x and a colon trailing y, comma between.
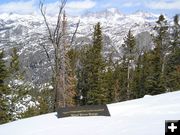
x: 61, y: 29
x: 58, y: 24
x: 48, y: 56
x: 60, y: 67
x: 49, y: 59
x: 43, y: 12
x: 77, y: 26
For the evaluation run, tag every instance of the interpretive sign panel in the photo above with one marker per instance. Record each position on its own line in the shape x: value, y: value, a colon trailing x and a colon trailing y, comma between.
x: 89, y: 110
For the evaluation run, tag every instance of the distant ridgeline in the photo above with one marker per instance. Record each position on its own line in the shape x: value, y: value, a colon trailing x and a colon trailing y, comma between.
x: 89, y: 110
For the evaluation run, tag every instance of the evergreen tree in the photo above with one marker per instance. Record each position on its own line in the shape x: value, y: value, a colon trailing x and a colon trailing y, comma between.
x: 173, y: 62
x: 162, y: 41
x: 92, y: 71
x: 139, y: 76
x: 173, y: 71
x: 112, y: 93
x: 175, y: 36
x: 45, y: 100
x: 17, y: 85
x: 120, y: 81
x: 31, y: 111
x: 82, y: 75
x: 155, y: 81
x: 96, y: 93
x: 129, y: 48
x: 4, y: 91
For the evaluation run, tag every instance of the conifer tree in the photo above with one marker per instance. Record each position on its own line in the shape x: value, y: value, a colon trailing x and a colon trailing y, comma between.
x: 138, y: 80
x: 162, y: 41
x: 92, y: 71
x: 4, y: 91
x: 129, y: 47
x: 153, y: 84
x: 112, y: 92
x: 17, y: 85
x: 156, y: 79
x: 120, y: 81
x: 82, y: 74
x: 109, y: 83
x: 175, y: 36
x: 173, y: 62
x: 45, y: 101
x: 173, y: 71
x: 96, y: 93
x: 143, y: 68
x: 154, y: 68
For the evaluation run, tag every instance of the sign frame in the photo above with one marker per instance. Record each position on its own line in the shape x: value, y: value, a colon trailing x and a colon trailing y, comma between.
x: 82, y: 111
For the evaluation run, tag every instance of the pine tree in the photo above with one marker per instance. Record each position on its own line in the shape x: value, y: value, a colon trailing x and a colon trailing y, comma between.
x: 31, y: 111
x: 45, y: 101
x: 92, y: 71
x: 162, y: 41
x: 175, y: 36
x: 82, y: 75
x: 120, y: 81
x: 129, y: 47
x: 17, y: 85
x: 96, y: 93
x: 109, y: 82
x: 4, y: 91
x: 139, y: 75
x: 112, y: 94
x: 173, y: 71
x: 155, y: 81
x: 173, y: 62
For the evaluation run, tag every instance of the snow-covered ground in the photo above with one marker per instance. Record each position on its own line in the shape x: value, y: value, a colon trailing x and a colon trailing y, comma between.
x: 145, y: 116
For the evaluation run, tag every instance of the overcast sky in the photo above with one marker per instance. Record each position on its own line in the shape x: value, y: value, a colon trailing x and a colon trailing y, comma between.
x: 77, y: 7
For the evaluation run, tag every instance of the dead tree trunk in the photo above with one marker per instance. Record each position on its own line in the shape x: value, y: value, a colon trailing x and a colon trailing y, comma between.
x: 58, y: 38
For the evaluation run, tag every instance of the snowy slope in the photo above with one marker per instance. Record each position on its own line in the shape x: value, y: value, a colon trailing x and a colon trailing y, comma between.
x: 144, y: 116
x: 26, y: 32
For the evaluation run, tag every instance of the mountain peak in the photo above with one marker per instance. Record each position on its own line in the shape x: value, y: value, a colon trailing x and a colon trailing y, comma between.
x: 143, y: 13
x: 113, y: 10
x: 104, y: 13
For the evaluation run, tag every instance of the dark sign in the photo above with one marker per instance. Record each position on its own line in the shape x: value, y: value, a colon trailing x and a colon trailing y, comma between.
x: 89, y: 110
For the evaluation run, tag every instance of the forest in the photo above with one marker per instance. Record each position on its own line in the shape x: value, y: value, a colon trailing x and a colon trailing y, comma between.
x: 85, y: 76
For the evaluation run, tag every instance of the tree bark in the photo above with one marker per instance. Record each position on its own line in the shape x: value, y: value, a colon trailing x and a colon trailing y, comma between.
x: 58, y: 39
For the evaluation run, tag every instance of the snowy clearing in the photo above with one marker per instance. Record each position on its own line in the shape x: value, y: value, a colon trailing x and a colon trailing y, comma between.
x: 145, y: 116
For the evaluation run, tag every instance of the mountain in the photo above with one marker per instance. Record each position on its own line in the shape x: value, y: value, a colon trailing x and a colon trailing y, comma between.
x: 145, y: 116
x: 104, y: 14
x: 28, y: 32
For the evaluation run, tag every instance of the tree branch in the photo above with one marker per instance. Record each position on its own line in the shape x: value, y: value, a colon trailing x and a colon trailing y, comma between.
x: 77, y: 26
x: 43, y: 12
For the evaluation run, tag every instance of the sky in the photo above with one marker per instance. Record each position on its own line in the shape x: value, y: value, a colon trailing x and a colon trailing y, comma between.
x: 78, y: 7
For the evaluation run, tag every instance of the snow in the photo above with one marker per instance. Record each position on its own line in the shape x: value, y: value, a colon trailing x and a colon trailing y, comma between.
x: 28, y: 29
x: 113, y: 10
x: 145, y: 116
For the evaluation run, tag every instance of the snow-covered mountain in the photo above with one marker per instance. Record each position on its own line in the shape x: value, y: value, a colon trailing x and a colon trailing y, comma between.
x: 27, y: 31
x: 145, y: 116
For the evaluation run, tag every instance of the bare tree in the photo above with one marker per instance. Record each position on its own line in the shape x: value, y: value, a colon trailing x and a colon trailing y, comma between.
x: 62, y: 80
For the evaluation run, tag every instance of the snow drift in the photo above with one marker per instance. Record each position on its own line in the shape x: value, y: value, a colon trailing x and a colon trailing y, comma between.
x: 145, y: 116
